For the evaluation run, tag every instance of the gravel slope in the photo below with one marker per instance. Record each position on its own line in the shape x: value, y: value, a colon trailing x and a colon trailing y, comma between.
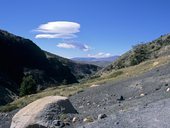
x: 155, y: 115
x: 144, y: 98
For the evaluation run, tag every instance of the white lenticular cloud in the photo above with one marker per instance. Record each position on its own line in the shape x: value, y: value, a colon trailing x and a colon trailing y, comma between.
x: 100, y: 55
x: 72, y: 45
x: 58, y: 29
x: 66, y: 45
x: 63, y: 36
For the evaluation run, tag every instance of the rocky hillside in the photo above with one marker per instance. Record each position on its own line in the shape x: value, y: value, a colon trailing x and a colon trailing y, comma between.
x: 21, y: 58
x: 142, y: 52
x: 80, y: 70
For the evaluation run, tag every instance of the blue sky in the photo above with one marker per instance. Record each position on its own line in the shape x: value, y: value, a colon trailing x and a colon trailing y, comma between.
x: 74, y: 28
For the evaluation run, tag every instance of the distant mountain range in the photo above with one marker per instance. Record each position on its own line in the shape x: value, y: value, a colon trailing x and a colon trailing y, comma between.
x: 102, y: 62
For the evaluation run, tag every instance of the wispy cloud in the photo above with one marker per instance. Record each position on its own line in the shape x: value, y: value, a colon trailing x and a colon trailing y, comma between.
x: 58, y: 29
x: 73, y: 45
x: 100, y: 55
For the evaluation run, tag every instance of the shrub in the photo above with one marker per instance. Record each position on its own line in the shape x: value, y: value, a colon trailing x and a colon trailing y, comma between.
x: 140, y: 54
x: 28, y: 86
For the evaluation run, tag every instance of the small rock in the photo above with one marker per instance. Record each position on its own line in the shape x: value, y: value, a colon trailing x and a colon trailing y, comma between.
x: 121, y: 98
x: 94, y: 85
x: 142, y: 94
x: 81, y: 107
x: 98, y: 105
x: 75, y: 119
x: 101, y: 116
x: 67, y: 124
x: 157, y: 89
x: 88, y: 119
x: 58, y: 123
x: 168, y: 89
x: 166, y: 84
x: 88, y: 103
x: 117, y: 123
x: 130, y: 98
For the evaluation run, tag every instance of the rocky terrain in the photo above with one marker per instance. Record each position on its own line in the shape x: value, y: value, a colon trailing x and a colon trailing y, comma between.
x: 138, y: 102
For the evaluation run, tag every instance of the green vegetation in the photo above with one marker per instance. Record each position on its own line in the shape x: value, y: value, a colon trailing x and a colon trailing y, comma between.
x: 140, y: 54
x: 116, y: 74
x: 28, y: 86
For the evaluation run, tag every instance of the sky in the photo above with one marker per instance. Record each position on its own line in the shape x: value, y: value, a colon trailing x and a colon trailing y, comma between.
x: 86, y: 28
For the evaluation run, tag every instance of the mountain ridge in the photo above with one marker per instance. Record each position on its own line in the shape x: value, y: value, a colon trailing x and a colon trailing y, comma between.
x: 21, y: 57
x: 142, y: 52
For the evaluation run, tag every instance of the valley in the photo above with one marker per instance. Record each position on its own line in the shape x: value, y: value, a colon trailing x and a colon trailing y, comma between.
x: 132, y: 97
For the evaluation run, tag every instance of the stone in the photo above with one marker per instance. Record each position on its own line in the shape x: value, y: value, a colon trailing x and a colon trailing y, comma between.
x: 94, y: 85
x: 168, y: 89
x: 43, y: 112
x: 98, y: 105
x: 121, y: 98
x: 166, y: 84
x: 88, y: 119
x: 75, y: 119
x: 142, y: 94
x: 101, y: 116
x: 58, y: 123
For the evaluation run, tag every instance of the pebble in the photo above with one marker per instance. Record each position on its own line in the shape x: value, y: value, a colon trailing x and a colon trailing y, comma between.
x: 101, y: 116
x: 117, y: 123
x: 81, y: 107
x: 98, y: 105
x: 142, y: 94
x: 75, y: 119
x: 168, y: 89
x: 121, y: 98
x: 88, y: 119
x: 58, y: 124
x: 166, y: 84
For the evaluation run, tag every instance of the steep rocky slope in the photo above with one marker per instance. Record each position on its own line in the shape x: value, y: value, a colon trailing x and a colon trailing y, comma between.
x: 21, y: 57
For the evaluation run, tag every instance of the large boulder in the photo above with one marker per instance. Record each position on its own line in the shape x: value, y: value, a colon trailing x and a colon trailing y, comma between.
x: 42, y: 113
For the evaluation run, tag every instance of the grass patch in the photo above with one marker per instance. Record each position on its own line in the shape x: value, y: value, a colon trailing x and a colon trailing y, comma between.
x: 7, y: 108
x: 116, y: 74
x: 63, y: 90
